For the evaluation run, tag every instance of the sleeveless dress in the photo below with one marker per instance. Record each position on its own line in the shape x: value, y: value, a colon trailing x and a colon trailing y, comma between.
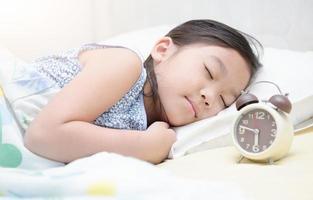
x: 36, y: 83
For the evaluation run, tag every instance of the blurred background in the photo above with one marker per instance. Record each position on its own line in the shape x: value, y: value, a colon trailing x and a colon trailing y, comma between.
x: 34, y: 28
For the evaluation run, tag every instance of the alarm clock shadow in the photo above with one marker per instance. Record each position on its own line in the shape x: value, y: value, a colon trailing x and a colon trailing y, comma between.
x: 245, y: 161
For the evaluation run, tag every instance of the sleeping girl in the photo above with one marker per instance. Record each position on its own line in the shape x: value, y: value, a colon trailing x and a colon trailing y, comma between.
x: 105, y: 98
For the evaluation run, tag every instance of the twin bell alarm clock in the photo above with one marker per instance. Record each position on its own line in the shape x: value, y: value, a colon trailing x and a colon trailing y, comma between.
x: 262, y: 130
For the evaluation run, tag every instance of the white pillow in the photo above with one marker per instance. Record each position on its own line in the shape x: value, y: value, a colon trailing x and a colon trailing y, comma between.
x: 291, y: 70
x: 141, y: 41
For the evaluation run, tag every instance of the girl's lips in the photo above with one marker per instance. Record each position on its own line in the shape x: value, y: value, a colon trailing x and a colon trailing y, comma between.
x: 192, y: 106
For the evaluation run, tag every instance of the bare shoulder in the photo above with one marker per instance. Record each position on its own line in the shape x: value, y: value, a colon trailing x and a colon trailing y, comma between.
x: 107, y: 75
x: 119, y: 66
x: 102, y: 56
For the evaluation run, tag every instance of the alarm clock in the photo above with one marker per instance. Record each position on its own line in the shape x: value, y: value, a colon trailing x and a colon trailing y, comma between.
x: 262, y: 130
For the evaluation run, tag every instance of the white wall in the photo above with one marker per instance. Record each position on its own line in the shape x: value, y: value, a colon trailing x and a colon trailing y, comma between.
x: 31, y: 28
x: 278, y: 23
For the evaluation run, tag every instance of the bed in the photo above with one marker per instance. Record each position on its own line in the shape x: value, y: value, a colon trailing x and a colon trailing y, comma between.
x: 203, y: 162
x: 289, y: 178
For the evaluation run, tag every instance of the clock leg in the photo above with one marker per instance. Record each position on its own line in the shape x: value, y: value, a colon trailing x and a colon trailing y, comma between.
x: 240, y: 159
x: 270, y: 161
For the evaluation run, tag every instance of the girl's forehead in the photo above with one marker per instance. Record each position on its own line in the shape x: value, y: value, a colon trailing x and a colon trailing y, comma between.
x: 206, y: 51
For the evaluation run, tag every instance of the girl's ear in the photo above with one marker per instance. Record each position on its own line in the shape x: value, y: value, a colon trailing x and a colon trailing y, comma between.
x: 163, y: 49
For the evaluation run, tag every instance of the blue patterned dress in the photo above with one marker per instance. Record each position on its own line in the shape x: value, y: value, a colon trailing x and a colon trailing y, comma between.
x: 37, y: 82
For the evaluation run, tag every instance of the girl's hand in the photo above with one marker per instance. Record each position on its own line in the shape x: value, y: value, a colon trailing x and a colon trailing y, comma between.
x: 159, y: 139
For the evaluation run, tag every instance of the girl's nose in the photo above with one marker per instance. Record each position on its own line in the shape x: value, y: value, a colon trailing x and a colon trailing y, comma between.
x: 205, y: 100
x: 209, y: 97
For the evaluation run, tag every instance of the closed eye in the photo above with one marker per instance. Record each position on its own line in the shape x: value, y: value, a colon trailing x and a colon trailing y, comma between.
x: 207, y: 69
x: 225, y: 106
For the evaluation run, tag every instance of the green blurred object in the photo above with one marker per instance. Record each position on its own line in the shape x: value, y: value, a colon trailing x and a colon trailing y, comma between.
x: 10, y: 156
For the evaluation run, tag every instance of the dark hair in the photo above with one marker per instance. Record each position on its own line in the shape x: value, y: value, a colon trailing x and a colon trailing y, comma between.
x: 212, y: 33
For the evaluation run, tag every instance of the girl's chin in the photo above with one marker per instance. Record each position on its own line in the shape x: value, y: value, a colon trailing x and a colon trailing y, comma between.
x: 179, y: 122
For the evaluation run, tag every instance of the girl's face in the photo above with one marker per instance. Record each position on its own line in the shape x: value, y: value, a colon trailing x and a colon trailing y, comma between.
x: 198, y: 81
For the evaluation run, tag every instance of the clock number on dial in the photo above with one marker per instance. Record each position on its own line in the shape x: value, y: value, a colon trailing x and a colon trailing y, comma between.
x: 259, y: 115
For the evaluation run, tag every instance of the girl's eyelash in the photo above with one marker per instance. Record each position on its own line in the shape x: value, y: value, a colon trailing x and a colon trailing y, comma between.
x: 226, y: 106
x: 208, y: 72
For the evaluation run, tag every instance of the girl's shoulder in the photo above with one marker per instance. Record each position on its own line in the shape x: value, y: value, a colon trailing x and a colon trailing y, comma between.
x: 119, y: 63
x: 123, y: 56
x: 95, y: 50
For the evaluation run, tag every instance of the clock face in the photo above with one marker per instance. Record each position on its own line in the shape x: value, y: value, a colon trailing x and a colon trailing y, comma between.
x: 255, y: 130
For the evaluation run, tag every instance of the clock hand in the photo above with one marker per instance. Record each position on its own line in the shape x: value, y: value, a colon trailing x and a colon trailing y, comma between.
x: 249, y: 129
x: 256, y: 139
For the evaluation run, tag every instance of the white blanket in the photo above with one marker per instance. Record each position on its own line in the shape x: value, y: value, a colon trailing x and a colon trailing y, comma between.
x: 112, y: 176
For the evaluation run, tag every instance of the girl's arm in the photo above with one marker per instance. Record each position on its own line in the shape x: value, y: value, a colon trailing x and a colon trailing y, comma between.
x: 63, y: 130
